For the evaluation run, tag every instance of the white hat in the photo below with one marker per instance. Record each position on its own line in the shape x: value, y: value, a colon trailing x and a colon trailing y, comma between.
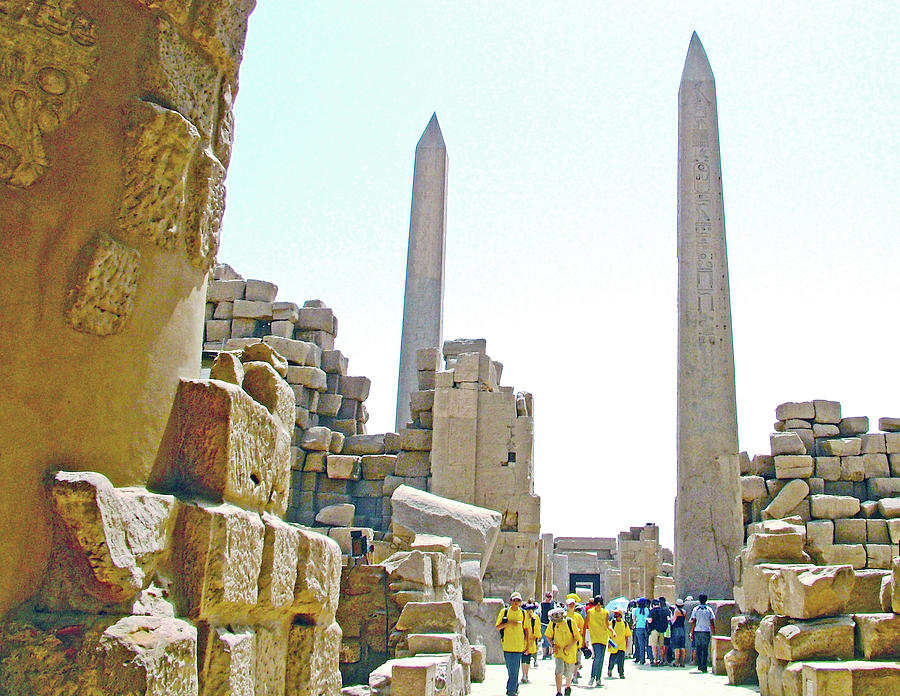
x: 570, y: 601
x: 515, y: 595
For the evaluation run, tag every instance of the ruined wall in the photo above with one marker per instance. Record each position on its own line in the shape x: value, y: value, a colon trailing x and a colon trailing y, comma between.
x: 116, y: 134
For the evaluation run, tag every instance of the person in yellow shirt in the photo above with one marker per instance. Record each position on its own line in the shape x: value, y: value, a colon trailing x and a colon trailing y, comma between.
x: 619, y: 637
x: 511, y: 625
x: 532, y: 634
x: 564, y: 633
x: 597, y: 624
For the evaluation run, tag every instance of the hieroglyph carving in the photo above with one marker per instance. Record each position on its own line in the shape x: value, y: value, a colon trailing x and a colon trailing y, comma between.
x: 102, y: 295
x: 48, y: 53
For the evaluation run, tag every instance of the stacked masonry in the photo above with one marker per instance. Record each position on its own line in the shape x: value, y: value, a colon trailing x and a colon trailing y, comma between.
x: 205, y: 543
x: 644, y: 567
x: 819, y: 589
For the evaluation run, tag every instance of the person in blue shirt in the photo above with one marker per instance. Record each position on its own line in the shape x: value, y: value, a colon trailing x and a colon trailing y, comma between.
x: 641, y: 616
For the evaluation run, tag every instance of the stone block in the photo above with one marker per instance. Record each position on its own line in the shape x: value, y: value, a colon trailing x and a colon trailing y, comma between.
x: 348, y: 427
x: 740, y: 666
x: 218, y: 551
x: 413, y: 464
x: 769, y: 548
x: 225, y: 290
x: 791, y: 495
x: 786, y: 443
x: 226, y: 447
x: 392, y: 483
x: 877, y: 532
x: 328, y: 405
x: 845, y: 554
x: 755, y: 581
x: 833, y: 506
x: 822, y: 639
x: 378, y: 466
x: 227, y: 368
x: 316, y: 319
x: 479, y: 662
x: 260, y: 291
x: 415, y: 440
x: 318, y: 577
x: 842, y: 447
x: 336, y: 515
x: 850, y: 531
x: 854, y: 425
x: 882, y: 488
x: 310, y: 377
x: 285, y: 311
x: 827, y: 411
x: 241, y: 328
x: 336, y: 444
x: 878, y: 636
x: 811, y: 592
x: 853, y: 469
x: 752, y: 488
x: 278, y: 569
x: 364, y: 444
x: 819, y: 533
x: 867, y: 590
x: 318, y: 673
x: 428, y: 359
x: 410, y: 566
x: 356, y: 388
x: 879, y: 555
x: 889, y: 508
x: 315, y: 461
x: 344, y: 537
x: 872, y: 443
x: 454, y: 348
x: 323, y: 339
x: 889, y: 425
x: 391, y: 443
x: 431, y: 617
x: 823, y: 430
x: 828, y: 468
x: 804, y: 409
x: 421, y: 400
x: 343, y: 466
x: 789, y: 466
x: 743, y: 632
x: 265, y: 385
x: 425, y: 380
x: 248, y: 309
x: 282, y: 329
x: 894, y: 530
x: 317, y: 438
x: 295, y: 352
x: 334, y: 362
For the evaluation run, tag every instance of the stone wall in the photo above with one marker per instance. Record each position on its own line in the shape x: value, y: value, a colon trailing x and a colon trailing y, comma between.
x: 819, y: 574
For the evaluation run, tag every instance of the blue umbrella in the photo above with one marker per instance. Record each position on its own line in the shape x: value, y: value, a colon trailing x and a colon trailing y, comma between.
x: 620, y: 603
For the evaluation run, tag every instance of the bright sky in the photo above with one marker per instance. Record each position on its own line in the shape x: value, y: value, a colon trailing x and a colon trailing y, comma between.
x: 560, y: 121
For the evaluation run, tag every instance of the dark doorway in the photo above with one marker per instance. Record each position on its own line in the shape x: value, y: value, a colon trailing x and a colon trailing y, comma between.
x: 585, y: 580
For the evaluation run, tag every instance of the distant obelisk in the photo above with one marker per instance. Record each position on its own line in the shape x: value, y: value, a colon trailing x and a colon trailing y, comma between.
x: 423, y: 304
x: 708, y: 516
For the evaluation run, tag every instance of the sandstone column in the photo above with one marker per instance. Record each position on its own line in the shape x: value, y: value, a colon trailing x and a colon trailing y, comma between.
x: 708, y: 531
x: 115, y: 133
x: 423, y: 304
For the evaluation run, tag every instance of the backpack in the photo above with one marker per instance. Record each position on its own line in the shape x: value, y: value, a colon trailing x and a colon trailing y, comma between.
x: 505, y: 614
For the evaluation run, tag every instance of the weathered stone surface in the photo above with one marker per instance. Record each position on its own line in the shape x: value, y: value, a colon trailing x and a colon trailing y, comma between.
x: 265, y: 385
x: 310, y: 377
x: 850, y: 531
x: 743, y: 632
x: 266, y: 353
x: 377, y: 466
x: 789, y: 466
x: 412, y: 566
x: 889, y: 425
x: 342, y: 466
x: 786, y: 443
x: 474, y: 529
x: 740, y: 666
x: 833, y: 506
x: 107, y: 542
x: 415, y: 439
x: 879, y: 555
x: 827, y: 411
x: 356, y: 388
x: 318, y: 578
x: 471, y: 575
x: 810, y: 592
x: 228, y: 660
x: 823, y: 639
x: 769, y: 548
x: 854, y: 425
x: 842, y: 447
x: 790, y: 496
x: 227, y: 447
x: 336, y: 515
x: 479, y: 662
x: 227, y: 367
x: 882, y: 488
x: 805, y: 410
x: 278, y: 570
x: 413, y: 463
x: 296, y: 352
x: 828, y: 468
x: 218, y: 550
x: 319, y: 674
x: 844, y: 554
x: 878, y: 636
x: 718, y: 647
x: 866, y: 591
x: 752, y: 488
x: 365, y: 444
x: 889, y: 508
x: 876, y: 465
x: 344, y: 537
x: 317, y: 438
x: 432, y: 617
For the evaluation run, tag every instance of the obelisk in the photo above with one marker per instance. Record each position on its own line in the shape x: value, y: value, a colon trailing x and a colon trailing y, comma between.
x: 708, y: 516
x: 423, y: 303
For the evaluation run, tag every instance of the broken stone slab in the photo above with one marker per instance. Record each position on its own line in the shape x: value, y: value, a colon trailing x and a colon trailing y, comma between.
x: 740, y: 666
x: 217, y: 551
x: 771, y: 548
x: 410, y: 566
x: 319, y: 670
x: 811, y: 592
x: 833, y: 506
x: 481, y: 620
x: 310, y: 377
x: 752, y: 488
x: 788, y: 498
x: 454, y: 644
x: 743, y: 632
x: 336, y: 515
x: 317, y: 438
x: 786, y: 443
x: 344, y: 537
x: 265, y: 385
x: 829, y: 638
x: 473, y: 528
x: 842, y: 447
x: 295, y: 352
x: 431, y: 617
x: 107, y: 542
x: 263, y: 352
x: 788, y: 466
x: 479, y: 662
x: 227, y: 447
x: 227, y: 367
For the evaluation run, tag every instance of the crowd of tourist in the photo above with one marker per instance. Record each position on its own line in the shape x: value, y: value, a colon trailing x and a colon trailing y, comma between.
x: 647, y: 631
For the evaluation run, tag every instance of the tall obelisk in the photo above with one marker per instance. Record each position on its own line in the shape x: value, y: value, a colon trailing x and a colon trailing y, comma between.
x: 423, y: 303
x: 708, y: 517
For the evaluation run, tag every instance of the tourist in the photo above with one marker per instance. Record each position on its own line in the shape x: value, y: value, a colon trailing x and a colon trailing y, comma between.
x: 658, y: 625
x: 676, y: 641
x: 532, y: 632
x: 621, y: 632
x: 546, y: 606
x: 641, y: 614
x: 564, y: 634
x: 575, y: 611
x: 628, y: 615
x: 703, y: 623
x: 597, y: 626
x: 511, y: 625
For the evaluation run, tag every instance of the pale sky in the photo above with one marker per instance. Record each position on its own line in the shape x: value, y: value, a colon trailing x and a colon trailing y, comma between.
x: 560, y: 121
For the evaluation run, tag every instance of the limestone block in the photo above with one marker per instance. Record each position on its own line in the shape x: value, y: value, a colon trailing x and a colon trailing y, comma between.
x: 827, y: 411
x: 336, y: 444
x: 822, y: 639
x: 295, y: 352
x: 343, y: 537
x: 894, y: 460
x: 356, y: 388
x: 248, y: 309
x: 879, y: 555
x: 227, y: 447
x: 411, y: 566
x: 271, y: 657
x: 775, y: 678
x: 894, y: 530
x: 853, y: 469
x: 227, y: 662
x: 866, y: 595
x: 842, y: 447
x: 479, y: 662
x: 260, y: 291
x: 892, y: 442
x: 882, y: 488
x: 455, y: 347
x: 264, y: 352
x: 823, y: 430
x: 791, y: 495
x: 743, y: 632
x: 343, y: 466
x: 218, y: 330
x: 895, y: 585
x: 225, y: 290
x: 317, y: 438
x: 819, y: 533
x: 413, y: 463
x: 336, y: 515
x: 868, y: 509
x: 282, y: 329
x: 472, y: 587
x: 265, y: 385
x: 415, y: 440
x: 769, y: 626
x: 318, y: 672
x: 833, y: 506
x: 845, y: 554
x: 316, y: 319
x: 740, y: 666
x: 227, y: 368
x: 810, y: 592
x: 889, y: 425
x: 278, y: 569
x: 364, y: 444
x: 323, y: 339
x: 328, y: 405
x: 789, y: 466
x: 432, y: 617
x: 453, y: 644
x: 392, y: 483
x: 752, y: 488
x: 718, y: 647
x: 241, y: 329
x: 889, y: 508
x: 218, y: 551
x: 850, y: 531
x: 826, y: 679
x: 854, y: 425
x: 377, y: 466
x: 828, y: 468
x: 872, y: 443
x: 318, y: 577
x: 769, y: 548
x: 805, y: 410
x: 428, y: 359
x: 285, y: 311
x: 755, y: 583
x: 425, y: 380
x: 314, y: 462
x: 311, y: 377
x: 107, y: 544
x: 473, y: 528
x: 878, y: 636
x: 786, y: 443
